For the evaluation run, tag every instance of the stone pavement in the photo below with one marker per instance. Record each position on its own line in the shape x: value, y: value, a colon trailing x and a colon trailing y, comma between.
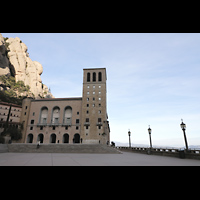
x: 73, y: 159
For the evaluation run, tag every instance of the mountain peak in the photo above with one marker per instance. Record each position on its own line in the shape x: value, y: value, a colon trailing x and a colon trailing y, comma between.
x: 15, y: 61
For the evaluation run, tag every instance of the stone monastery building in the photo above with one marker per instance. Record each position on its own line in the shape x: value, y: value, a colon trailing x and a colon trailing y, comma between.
x: 70, y: 120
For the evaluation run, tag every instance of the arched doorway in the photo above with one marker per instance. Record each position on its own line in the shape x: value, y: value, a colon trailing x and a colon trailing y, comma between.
x: 76, y: 138
x: 30, y: 138
x: 65, y: 138
x: 40, y: 138
x: 53, y: 138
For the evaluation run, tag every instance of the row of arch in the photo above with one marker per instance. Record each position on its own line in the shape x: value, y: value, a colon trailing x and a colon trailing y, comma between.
x: 55, y: 115
x: 52, y: 138
x: 94, y: 76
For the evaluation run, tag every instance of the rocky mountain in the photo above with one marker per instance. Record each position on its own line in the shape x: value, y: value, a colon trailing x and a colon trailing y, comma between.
x: 15, y: 62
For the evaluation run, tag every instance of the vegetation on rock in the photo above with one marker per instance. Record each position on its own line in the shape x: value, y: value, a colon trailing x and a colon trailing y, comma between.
x: 13, y: 132
x: 13, y: 92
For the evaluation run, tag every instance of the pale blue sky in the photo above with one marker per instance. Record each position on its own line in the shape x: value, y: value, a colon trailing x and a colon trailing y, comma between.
x: 153, y: 79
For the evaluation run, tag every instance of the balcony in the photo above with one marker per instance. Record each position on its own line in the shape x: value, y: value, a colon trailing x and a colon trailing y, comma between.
x: 66, y: 124
x: 87, y: 124
x: 99, y: 124
x: 54, y: 124
x: 67, y: 121
x: 41, y: 124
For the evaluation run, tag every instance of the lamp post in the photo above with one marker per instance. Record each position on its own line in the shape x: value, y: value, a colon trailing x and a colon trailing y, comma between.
x: 183, y: 127
x: 129, y: 134
x: 149, y: 130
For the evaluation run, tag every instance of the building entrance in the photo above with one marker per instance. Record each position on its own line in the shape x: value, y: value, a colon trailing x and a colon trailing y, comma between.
x: 76, y: 138
x: 53, y: 138
x: 30, y: 138
x: 40, y: 138
x: 65, y: 138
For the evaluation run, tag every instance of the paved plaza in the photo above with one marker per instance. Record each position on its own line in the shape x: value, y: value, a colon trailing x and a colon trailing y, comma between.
x: 66, y: 159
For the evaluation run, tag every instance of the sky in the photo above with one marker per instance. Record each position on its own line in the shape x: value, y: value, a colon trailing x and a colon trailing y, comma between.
x: 152, y: 79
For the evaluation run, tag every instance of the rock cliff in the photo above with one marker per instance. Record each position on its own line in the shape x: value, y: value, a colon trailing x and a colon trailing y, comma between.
x: 15, y: 61
x: 4, y: 62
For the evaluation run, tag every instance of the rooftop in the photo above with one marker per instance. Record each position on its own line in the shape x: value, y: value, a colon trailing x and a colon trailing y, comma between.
x: 10, y: 104
x: 96, y: 69
x: 93, y: 68
x: 59, y: 99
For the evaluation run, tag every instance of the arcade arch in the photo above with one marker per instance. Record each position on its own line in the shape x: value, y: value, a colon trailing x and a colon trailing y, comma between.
x: 53, y: 138
x: 29, y: 138
x: 76, y: 138
x: 40, y: 138
x: 66, y: 138
x: 67, y: 119
x: 43, y: 115
x: 55, y: 115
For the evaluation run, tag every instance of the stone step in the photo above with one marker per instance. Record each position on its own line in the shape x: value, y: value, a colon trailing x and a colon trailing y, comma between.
x: 62, y: 148
x: 3, y: 148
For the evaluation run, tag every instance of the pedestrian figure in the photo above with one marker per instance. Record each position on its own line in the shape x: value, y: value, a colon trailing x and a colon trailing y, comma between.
x: 38, y: 144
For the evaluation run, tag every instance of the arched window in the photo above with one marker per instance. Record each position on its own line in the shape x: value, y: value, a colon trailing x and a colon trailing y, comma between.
x: 55, y: 115
x: 100, y: 76
x: 67, y: 119
x: 43, y: 115
x: 94, y: 77
x: 88, y: 77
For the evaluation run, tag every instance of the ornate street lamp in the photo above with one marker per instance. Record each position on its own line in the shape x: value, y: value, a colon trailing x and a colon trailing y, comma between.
x: 149, y: 130
x: 183, y: 127
x: 129, y: 134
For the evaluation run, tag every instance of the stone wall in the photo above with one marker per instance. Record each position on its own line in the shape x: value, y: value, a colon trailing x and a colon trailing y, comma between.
x: 191, y: 154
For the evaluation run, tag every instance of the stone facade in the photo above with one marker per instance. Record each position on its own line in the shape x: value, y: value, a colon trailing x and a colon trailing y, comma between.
x: 70, y: 120
x: 12, y: 113
x: 94, y: 127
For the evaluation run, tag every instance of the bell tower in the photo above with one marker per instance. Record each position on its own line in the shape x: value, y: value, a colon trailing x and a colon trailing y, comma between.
x: 94, y: 127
